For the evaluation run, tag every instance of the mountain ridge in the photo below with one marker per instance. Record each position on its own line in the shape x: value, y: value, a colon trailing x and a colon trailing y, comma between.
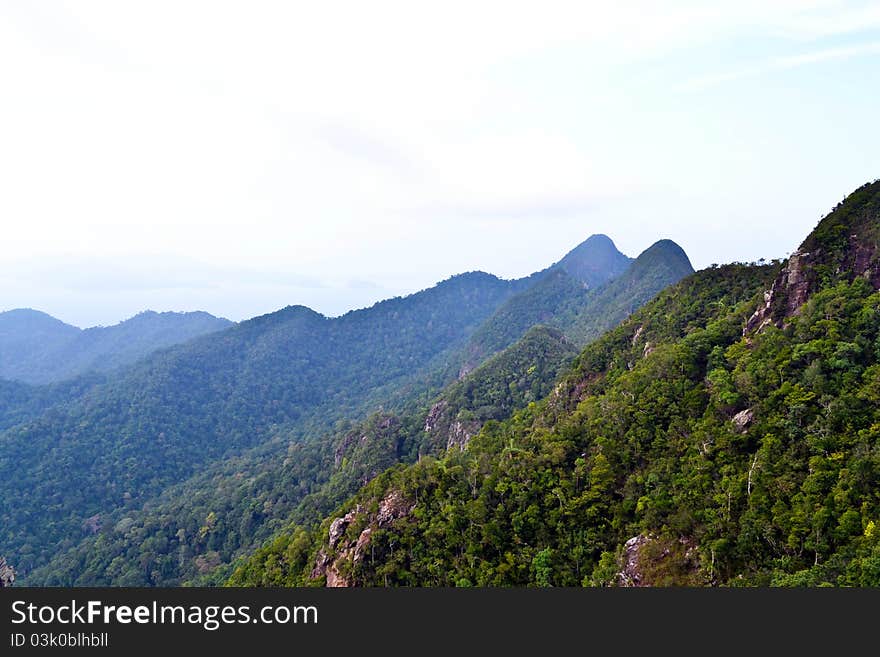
x: 845, y: 244
x: 681, y: 448
x: 36, y: 348
x: 271, y: 373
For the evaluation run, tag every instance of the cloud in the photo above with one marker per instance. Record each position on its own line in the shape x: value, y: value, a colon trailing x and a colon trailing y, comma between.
x: 385, y: 141
x: 544, y: 209
x: 368, y: 148
x: 828, y: 19
x: 149, y: 273
x: 781, y: 64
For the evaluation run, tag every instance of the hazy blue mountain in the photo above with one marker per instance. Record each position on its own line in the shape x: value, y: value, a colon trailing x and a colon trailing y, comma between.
x: 268, y: 390
x: 593, y: 288
x: 26, y: 336
x: 594, y: 261
x: 726, y: 434
x: 168, y: 415
x: 657, y: 267
x: 252, y: 496
x: 37, y: 348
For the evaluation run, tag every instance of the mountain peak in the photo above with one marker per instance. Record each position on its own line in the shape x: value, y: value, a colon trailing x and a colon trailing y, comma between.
x: 31, y: 316
x: 848, y: 238
x: 594, y: 261
x: 670, y: 253
x: 845, y: 245
x: 24, y: 326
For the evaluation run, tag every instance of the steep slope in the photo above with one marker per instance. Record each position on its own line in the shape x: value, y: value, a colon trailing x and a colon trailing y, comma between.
x: 549, y: 294
x: 572, y: 296
x: 844, y: 245
x: 480, y: 490
x: 229, y: 510
x: 553, y: 295
x: 290, y: 486
x: 168, y: 416
x: 662, y: 264
x: 593, y: 262
x: 677, y: 450
x: 273, y: 385
x: 20, y: 402
x: 37, y: 349
x: 516, y: 377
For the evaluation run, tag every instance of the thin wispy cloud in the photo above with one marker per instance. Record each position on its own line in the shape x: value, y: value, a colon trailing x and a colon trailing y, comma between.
x: 833, y: 20
x: 781, y: 64
x: 402, y: 145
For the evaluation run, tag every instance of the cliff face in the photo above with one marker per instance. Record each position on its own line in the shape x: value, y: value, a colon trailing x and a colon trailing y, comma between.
x: 441, y: 425
x: 845, y: 245
x: 348, y: 539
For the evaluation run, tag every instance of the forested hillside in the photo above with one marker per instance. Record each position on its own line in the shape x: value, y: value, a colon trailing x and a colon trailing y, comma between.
x: 582, y: 306
x: 36, y: 348
x: 169, y: 416
x: 195, y: 530
x: 263, y: 410
x: 726, y: 434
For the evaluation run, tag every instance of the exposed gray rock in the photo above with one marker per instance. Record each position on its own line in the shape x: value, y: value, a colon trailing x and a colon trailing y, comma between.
x: 637, y: 335
x: 330, y: 560
x: 7, y: 574
x: 338, y: 526
x: 791, y: 288
x: 630, y: 575
x: 460, y: 433
x: 435, y: 415
x: 743, y: 419
x: 392, y: 507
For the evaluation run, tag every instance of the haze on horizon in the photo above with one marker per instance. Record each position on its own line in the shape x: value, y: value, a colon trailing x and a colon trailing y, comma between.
x: 238, y: 159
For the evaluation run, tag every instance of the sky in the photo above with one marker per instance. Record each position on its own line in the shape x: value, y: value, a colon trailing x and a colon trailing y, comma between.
x: 241, y: 157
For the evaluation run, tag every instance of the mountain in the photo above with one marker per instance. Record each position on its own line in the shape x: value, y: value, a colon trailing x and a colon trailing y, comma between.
x: 26, y: 335
x: 36, y: 348
x: 842, y: 246
x: 593, y: 262
x: 20, y: 402
x: 571, y: 296
x: 196, y: 530
x: 270, y: 415
x: 657, y: 267
x: 725, y: 434
x: 268, y: 380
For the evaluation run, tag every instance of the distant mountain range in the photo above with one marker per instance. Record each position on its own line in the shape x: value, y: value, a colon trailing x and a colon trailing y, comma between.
x: 725, y: 434
x: 605, y: 421
x: 591, y: 289
x: 97, y: 458
x: 36, y: 348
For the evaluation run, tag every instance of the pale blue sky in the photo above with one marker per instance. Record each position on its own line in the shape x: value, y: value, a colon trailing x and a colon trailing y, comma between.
x: 238, y: 158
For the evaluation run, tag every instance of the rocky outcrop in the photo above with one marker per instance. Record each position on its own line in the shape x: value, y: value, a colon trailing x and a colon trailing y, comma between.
x: 789, y: 292
x: 845, y: 245
x: 460, y: 433
x: 743, y: 419
x: 452, y: 432
x: 865, y: 260
x: 652, y: 561
x: 92, y: 524
x: 637, y: 335
x: 7, y: 574
x: 630, y: 575
x: 435, y: 416
x: 794, y: 281
x: 340, y: 554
